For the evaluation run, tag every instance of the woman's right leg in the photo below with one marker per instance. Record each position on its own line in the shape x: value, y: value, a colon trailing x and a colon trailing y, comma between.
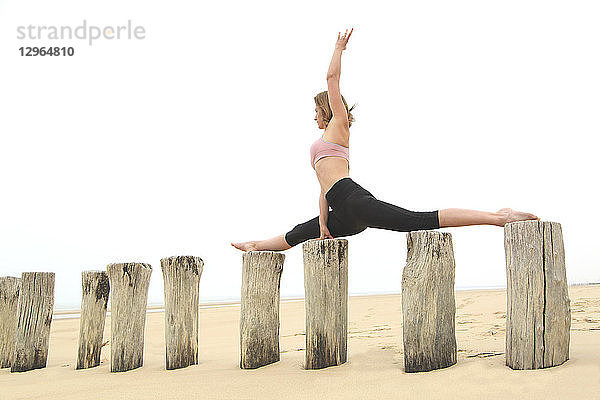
x: 301, y: 233
x: 276, y: 243
x: 311, y: 229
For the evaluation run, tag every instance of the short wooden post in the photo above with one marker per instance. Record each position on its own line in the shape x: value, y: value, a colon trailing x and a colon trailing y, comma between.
x: 9, y: 299
x: 326, y: 302
x: 538, y: 314
x: 428, y: 306
x: 259, y: 314
x: 182, y: 279
x: 94, y: 299
x: 129, y: 296
x: 34, y: 316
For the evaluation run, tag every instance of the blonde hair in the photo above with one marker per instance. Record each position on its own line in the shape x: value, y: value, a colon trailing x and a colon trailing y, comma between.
x: 322, y: 101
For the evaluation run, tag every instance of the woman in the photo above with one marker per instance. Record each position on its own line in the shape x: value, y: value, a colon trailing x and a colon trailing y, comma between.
x: 353, y: 208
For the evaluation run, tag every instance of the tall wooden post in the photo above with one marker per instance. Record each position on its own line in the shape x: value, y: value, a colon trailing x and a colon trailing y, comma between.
x: 326, y: 302
x: 182, y: 279
x: 538, y: 315
x: 9, y: 299
x: 259, y: 314
x: 428, y: 306
x: 94, y: 299
x: 129, y: 296
x: 34, y: 317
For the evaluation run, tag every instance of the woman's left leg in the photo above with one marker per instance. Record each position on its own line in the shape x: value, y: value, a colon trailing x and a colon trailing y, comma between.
x: 463, y: 217
x: 376, y: 213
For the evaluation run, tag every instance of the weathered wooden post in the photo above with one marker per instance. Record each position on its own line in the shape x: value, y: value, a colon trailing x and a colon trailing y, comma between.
x: 34, y: 316
x: 129, y: 295
x: 428, y: 306
x: 182, y: 280
x: 95, y: 290
x: 259, y: 314
x: 9, y: 299
x: 538, y: 314
x: 326, y: 302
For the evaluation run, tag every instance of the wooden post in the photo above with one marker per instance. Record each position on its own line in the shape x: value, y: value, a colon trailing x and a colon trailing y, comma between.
x: 9, y: 299
x: 34, y: 316
x: 326, y: 302
x: 259, y: 314
x: 95, y: 290
x: 428, y: 306
x: 129, y: 295
x: 182, y: 279
x: 538, y: 314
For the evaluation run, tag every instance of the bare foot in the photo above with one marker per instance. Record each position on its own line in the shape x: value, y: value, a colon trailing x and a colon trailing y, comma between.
x: 511, y: 215
x: 245, y: 246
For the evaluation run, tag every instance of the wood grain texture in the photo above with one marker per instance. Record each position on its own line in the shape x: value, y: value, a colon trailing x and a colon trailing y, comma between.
x: 538, y: 315
x: 94, y: 300
x: 259, y: 314
x: 34, y: 317
x: 428, y: 305
x: 326, y: 302
x: 129, y: 296
x: 9, y: 299
x: 182, y: 280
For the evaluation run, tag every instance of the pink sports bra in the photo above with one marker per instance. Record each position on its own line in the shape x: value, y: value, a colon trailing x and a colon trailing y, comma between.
x: 322, y: 148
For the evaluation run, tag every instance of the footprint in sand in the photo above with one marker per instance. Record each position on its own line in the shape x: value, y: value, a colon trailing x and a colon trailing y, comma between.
x: 287, y: 351
x: 466, y: 302
x: 486, y: 354
x: 493, y: 331
x: 390, y: 347
x: 294, y: 334
x: 375, y: 329
x: 596, y: 328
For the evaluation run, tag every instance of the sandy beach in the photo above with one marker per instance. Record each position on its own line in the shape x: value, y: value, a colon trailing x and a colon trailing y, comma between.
x: 375, y: 367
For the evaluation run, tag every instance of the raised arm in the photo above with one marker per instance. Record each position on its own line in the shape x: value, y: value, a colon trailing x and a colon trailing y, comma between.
x: 333, y: 79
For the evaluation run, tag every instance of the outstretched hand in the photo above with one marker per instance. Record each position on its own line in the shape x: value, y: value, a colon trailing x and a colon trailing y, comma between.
x: 342, y: 40
x: 325, y: 233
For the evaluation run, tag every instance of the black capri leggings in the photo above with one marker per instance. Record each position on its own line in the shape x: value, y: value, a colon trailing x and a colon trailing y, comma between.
x: 355, y: 209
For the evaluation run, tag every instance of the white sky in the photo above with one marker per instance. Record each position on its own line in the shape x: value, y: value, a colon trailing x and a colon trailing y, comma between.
x: 199, y: 134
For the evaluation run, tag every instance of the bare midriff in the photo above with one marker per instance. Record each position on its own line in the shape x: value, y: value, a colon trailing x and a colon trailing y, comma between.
x: 331, y: 169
